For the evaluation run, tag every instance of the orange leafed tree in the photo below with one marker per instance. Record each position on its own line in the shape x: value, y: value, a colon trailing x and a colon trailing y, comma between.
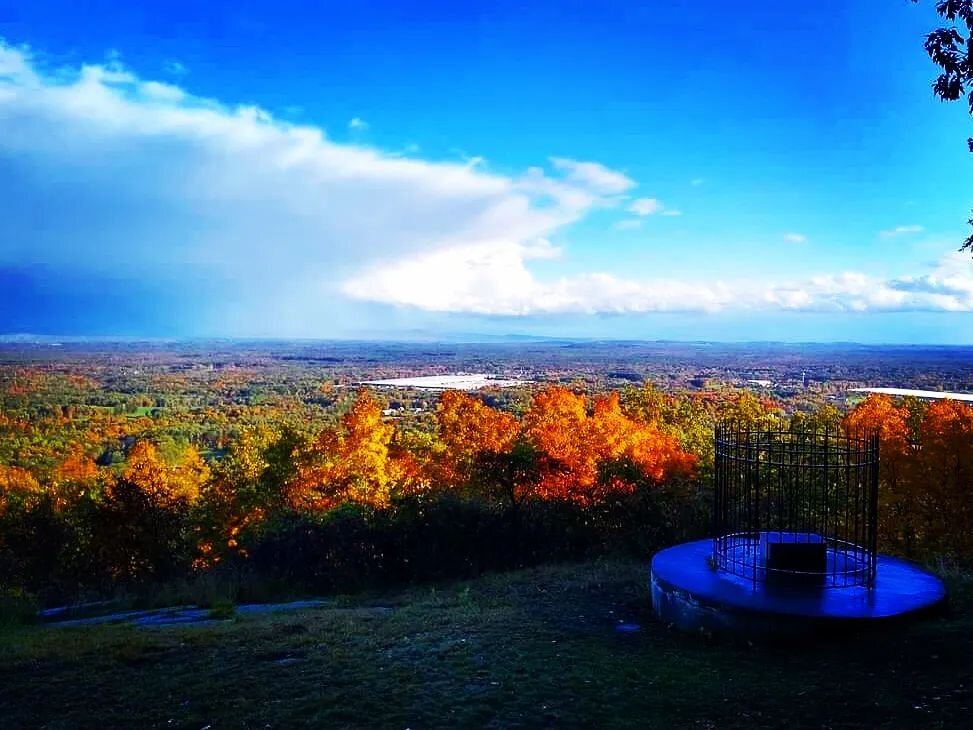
x: 413, y: 460
x: 657, y: 454
x: 879, y: 414
x: 897, y: 499
x: 468, y: 428
x: 557, y: 425
x: 77, y: 467
x: 925, y: 471
x: 688, y: 417
x: 482, y: 452
x: 579, y: 446
x: 556, y: 452
x: 75, y: 476
x: 942, y: 478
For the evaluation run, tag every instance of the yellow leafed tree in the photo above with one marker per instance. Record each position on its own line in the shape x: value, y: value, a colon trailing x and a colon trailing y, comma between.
x: 148, y: 471
x: 350, y: 464
x: 17, y: 485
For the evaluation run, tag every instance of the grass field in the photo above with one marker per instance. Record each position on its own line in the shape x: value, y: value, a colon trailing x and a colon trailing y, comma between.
x: 536, y: 648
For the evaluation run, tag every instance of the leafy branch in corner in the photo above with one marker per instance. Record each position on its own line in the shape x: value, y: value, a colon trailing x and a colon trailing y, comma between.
x: 949, y: 48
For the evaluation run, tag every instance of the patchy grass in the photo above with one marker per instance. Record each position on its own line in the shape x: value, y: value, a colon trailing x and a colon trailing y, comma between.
x: 222, y: 610
x: 536, y: 648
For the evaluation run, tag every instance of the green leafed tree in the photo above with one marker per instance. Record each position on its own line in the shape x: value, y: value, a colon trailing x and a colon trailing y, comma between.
x: 949, y: 48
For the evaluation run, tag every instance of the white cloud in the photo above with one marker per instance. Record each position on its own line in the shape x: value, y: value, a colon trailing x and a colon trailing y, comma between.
x: 645, y: 206
x: 651, y: 206
x: 497, y: 281
x: 628, y: 224
x: 696, y: 181
x: 795, y: 238
x: 493, y: 279
x: 594, y: 175
x: 102, y: 172
x: 949, y: 286
x: 358, y: 124
x: 486, y: 278
x: 901, y: 231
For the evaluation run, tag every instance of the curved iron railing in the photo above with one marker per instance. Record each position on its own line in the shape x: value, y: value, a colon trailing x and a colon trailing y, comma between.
x: 796, y: 507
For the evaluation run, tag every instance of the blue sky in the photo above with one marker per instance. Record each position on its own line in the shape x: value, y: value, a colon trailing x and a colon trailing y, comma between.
x: 642, y: 170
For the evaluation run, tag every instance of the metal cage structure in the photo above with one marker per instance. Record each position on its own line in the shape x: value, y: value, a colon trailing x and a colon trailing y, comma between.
x: 796, y: 507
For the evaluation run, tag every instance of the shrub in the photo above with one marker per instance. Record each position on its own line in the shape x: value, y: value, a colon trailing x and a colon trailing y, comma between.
x: 17, y: 607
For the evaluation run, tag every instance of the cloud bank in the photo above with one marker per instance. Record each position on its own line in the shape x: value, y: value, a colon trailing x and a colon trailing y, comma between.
x: 498, y: 281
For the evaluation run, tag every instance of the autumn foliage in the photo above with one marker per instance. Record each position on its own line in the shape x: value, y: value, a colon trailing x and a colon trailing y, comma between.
x: 17, y: 486
x: 926, y: 472
x: 580, y: 445
x: 164, y: 484
x: 558, y: 451
x: 354, y: 463
x: 499, y: 484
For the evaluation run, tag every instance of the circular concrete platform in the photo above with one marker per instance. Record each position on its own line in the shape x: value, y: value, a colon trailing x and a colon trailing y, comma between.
x: 694, y: 596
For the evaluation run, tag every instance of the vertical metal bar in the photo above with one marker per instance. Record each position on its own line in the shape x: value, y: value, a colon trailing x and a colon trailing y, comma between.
x: 737, y: 501
x: 862, y: 483
x: 780, y: 478
x: 792, y: 481
x: 808, y: 481
x: 717, y: 488
x: 832, y: 501
x: 873, y: 509
x: 731, y: 464
x: 851, y: 499
x: 757, y: 486
x: 829, y: 517
x: 811, y: 486
x: 751, y: 555
x: 825, y: 488
x: 859, y: 486
x: 864, y: 496
x: 839, y: 503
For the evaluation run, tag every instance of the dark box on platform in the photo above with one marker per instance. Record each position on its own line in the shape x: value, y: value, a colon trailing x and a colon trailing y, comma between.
x: 793, y: 558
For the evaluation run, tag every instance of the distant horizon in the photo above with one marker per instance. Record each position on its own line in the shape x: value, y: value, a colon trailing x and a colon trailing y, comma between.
x: 468, y: 338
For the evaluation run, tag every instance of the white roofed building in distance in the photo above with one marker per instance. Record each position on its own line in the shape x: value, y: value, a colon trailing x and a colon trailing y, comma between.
x: 911, y: 393
x: 472, y: 381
